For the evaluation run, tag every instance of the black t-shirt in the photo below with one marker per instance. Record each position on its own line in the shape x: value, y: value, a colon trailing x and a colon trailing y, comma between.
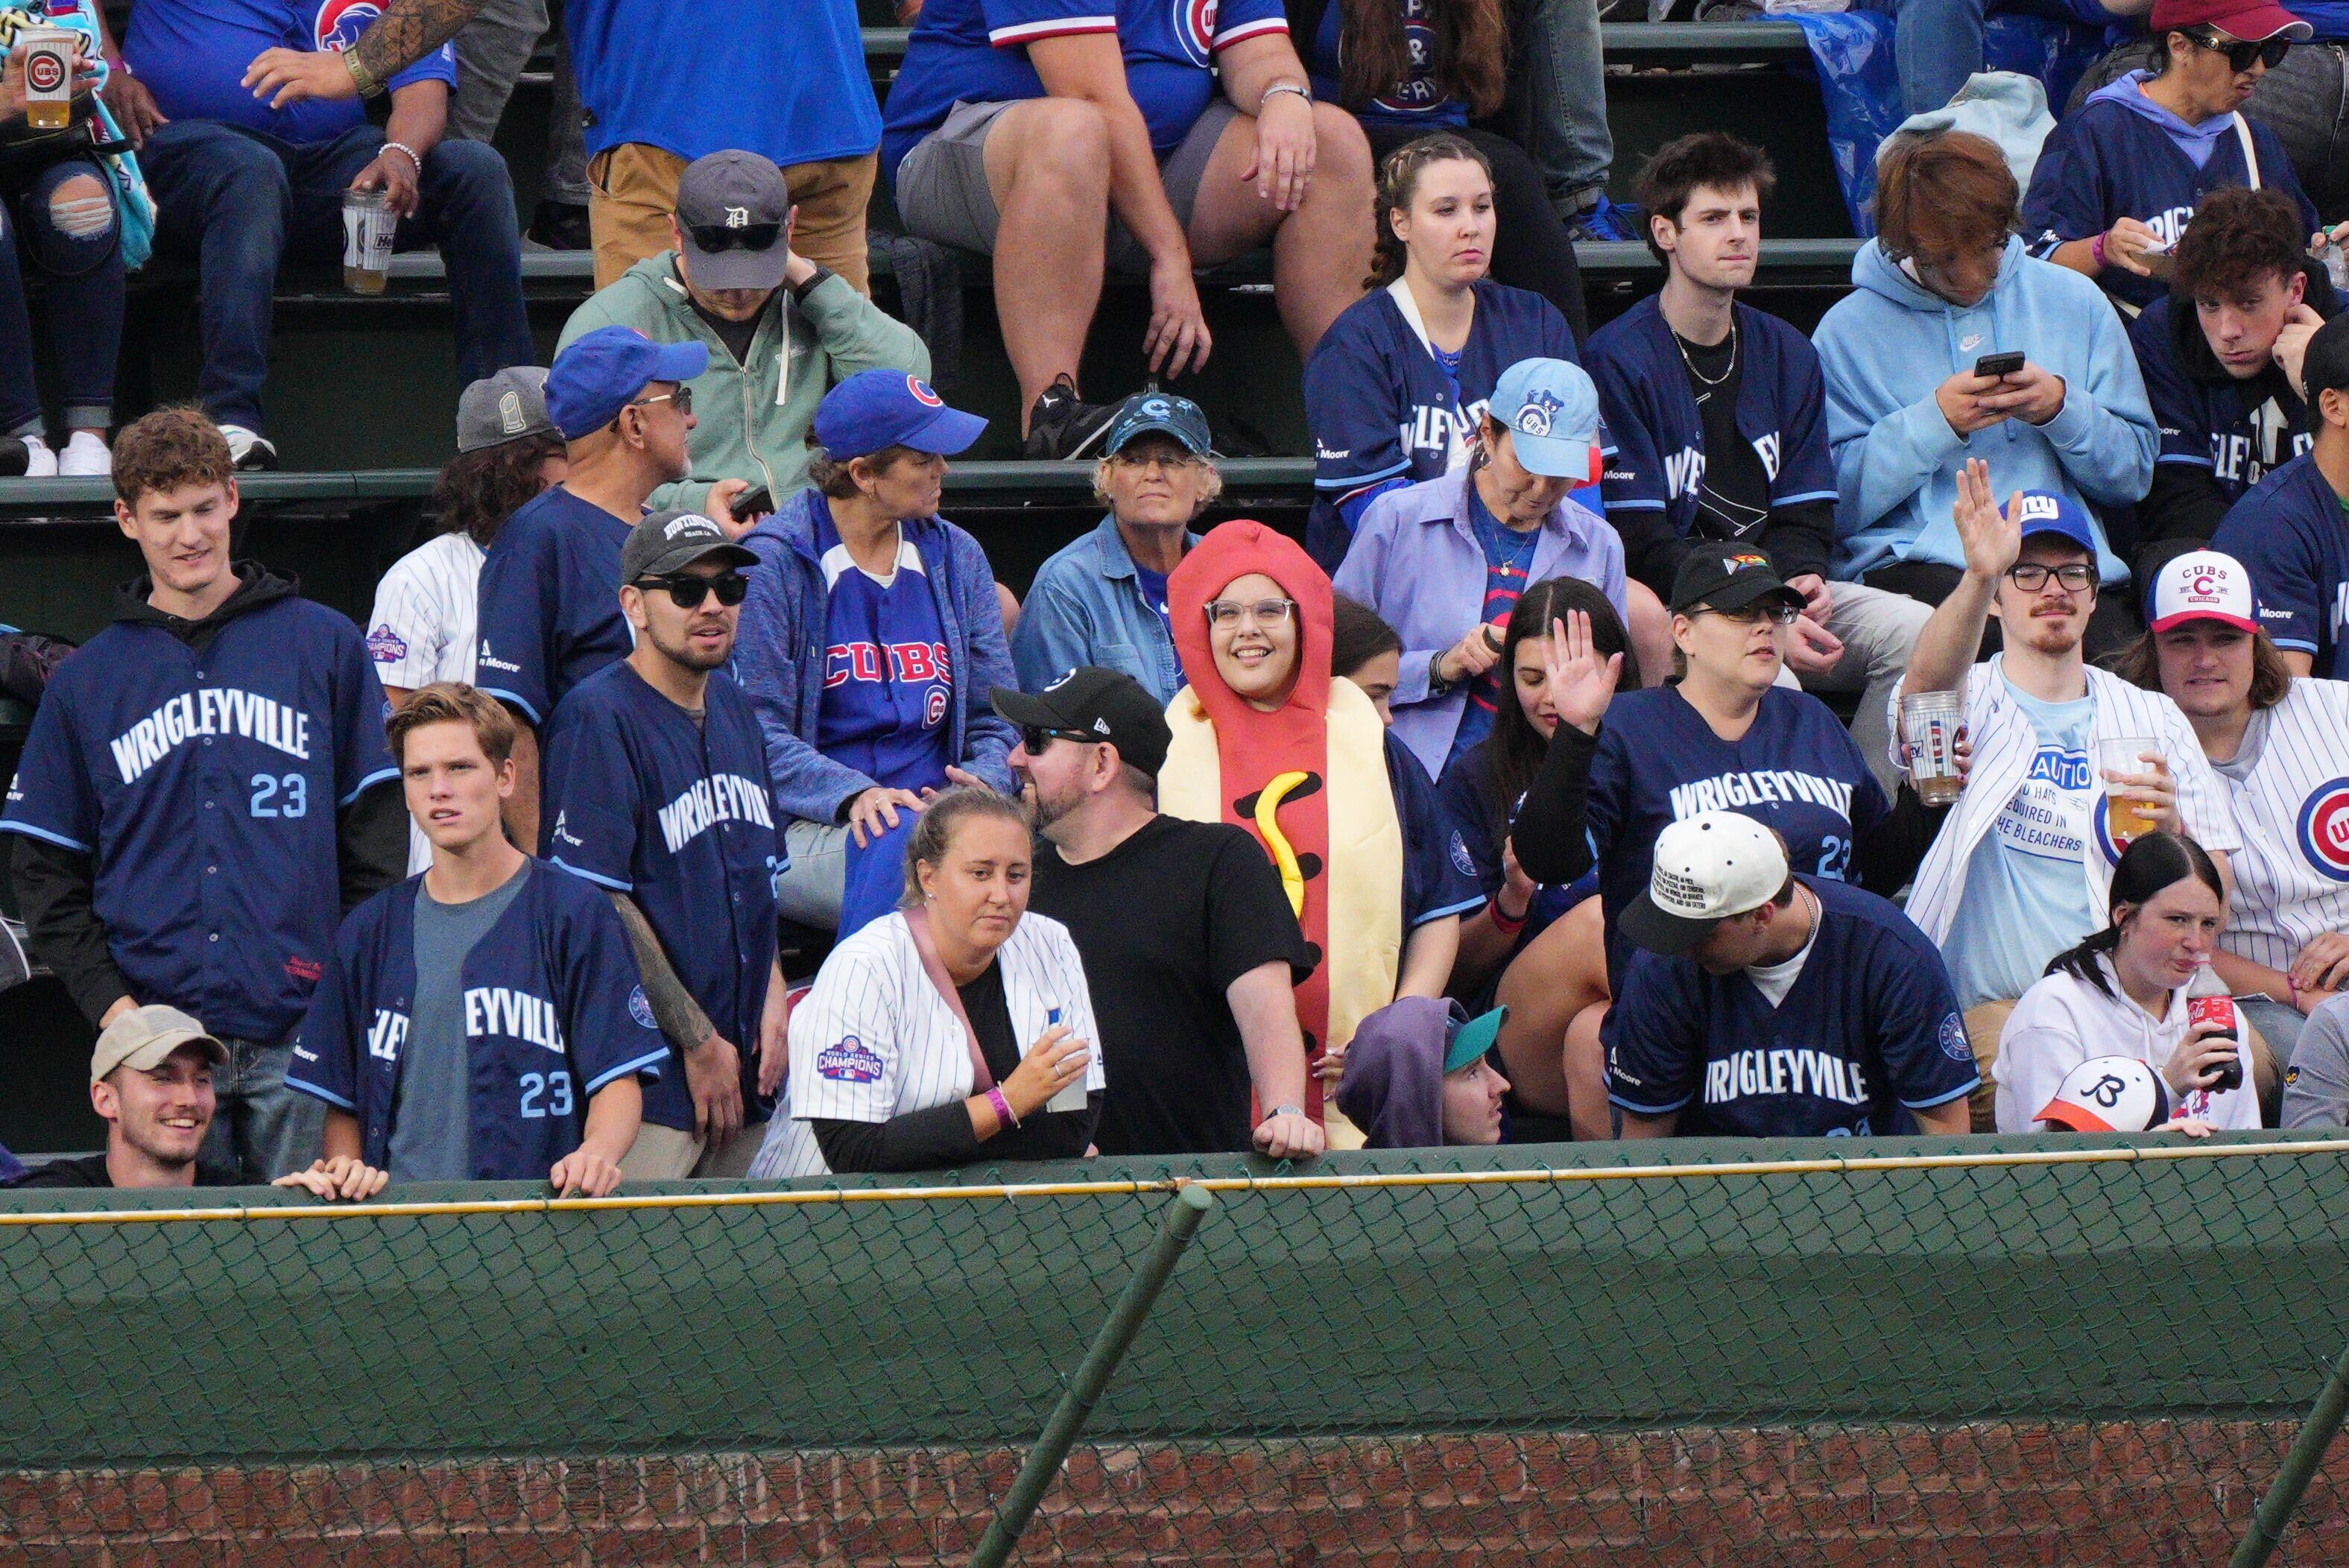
x: 90, y: 1171
x: 1165, y: 922
x: 735, y: 334
x: 1734, y: 501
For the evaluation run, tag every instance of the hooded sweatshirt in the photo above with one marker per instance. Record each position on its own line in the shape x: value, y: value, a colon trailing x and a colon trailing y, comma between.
x: 1393, y: 1085
x: 1887, y: 346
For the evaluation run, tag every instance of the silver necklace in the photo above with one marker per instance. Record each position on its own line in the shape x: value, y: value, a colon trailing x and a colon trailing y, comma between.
x: 1708, y: 380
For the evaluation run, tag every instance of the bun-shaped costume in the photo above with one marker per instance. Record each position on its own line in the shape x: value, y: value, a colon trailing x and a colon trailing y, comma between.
x: 1308, y: 779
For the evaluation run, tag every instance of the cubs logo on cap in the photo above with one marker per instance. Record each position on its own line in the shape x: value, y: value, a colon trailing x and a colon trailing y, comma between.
x: 2109, y: 1094
x: 2204, y: 585
x: 922, y: 393
x: 1550, y: 407
x: 1539, y: 412
x: 2324, y: 829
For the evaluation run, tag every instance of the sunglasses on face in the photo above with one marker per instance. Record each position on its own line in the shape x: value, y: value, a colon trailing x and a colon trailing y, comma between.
x: 2075, y: 576
x: 731, y: 588
x: 714, y: 237
x: 2241, y: 54
x: 1779, y: 613
x: 1035, y: 738
x: 1229, y: 613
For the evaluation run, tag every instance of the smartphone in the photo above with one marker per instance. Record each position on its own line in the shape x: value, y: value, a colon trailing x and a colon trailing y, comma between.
x: 2005, y: 363
x: 751, y: 503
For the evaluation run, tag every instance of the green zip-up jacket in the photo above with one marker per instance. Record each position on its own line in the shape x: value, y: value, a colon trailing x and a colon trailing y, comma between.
x: 751, y: 420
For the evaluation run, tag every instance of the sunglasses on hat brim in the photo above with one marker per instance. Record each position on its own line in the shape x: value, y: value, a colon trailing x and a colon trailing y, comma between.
x: 711, y: 238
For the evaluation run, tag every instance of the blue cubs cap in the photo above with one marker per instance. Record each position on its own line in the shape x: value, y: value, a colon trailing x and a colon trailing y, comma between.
x: 2043, y: 511
x: 877, y: 408
x: 1551, y: 411
x: 1159, y: 413
x: 595, y: 378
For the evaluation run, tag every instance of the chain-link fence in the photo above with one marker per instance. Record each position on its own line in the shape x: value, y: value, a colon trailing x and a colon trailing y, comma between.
x: 2068, y: 1352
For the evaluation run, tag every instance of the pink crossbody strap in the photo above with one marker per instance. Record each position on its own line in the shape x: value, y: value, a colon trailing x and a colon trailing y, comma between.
x: 918, y: 921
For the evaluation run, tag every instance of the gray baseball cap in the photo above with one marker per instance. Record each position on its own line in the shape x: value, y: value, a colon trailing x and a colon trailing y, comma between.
x: 503, y: 407
x: 725, y: 200
x: 670, y: 541
x: 144, y: 1039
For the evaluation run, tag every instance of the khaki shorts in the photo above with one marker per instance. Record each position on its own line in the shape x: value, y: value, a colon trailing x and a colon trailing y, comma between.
x: 943, y: 194
x: 632, y: 192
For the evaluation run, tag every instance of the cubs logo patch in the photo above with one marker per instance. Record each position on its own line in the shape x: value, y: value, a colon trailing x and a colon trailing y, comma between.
x: 1195, y: 29
x: 848, y: 1062
x: 1539, y: 414
x: 640, y: 1008
x: 922, y: 393
x: 1954, y: 1043
x: 2324, y: 830
x: 2101, y: 826
x: 341, y: 22
x: 386, y: 646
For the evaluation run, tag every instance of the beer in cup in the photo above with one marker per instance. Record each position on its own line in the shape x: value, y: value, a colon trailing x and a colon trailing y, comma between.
x: 48, y: 75
x: 2127, y: 818
x: 369, y: 226
x: 1929, y: 722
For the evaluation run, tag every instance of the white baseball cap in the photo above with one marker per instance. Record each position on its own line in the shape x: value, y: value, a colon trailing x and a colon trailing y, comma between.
x: 2109, y: 1094
x: 2204, y: 585
x: 1711, y: 867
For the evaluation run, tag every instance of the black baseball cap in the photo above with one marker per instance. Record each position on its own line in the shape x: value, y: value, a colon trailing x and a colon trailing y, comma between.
x: 1727, y: 577
x: 1090, y: 700
x: 669, y: 542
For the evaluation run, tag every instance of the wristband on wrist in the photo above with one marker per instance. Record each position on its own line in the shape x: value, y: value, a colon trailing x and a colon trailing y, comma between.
x: 415, y: 160
x: 1266, y: 96
x: 361, y: 78
x: 2096, y: 252
x: 1282, y: 1111
x: 1502, y: 923
x: 1002, y: 1108
x: 814, y: 282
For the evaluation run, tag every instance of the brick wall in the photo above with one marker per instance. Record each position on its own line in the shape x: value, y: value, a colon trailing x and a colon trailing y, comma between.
x: 2005, y: 1495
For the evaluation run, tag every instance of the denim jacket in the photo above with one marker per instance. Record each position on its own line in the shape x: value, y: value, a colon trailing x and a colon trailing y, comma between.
x: 779, y: 654
x: 1086, y: 607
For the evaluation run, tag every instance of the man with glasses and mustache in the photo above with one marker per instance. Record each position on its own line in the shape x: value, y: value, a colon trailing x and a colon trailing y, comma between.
x: 656, y: 792
x: 781, y: 330
x: 2021, y: 867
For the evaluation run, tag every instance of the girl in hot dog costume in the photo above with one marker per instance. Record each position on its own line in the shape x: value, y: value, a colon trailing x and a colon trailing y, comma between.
x: 1266, y: 738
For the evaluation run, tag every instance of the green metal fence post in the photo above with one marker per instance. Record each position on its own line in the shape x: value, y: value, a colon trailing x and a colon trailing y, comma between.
x: 1109, y: 1347
x: 2316, y: 1435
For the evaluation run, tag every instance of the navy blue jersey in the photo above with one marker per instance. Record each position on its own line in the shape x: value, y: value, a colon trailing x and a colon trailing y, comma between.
x: 1657, y: 470
x: 1472, y: 810
x: 553, y: 1014
x: 888, y: 678
x: 2293, y: 533
x: 976, y: 51
x: 2106, y: 161
x: 677, y: 815
x: 1418, y: 102
x: 550, y: 599
x: 1869, y: 1031
x: 1383, y: 412
x: 1796, y: 769
x: 2235, y: 431
x: 1433, y: 887
x: 206, y: 787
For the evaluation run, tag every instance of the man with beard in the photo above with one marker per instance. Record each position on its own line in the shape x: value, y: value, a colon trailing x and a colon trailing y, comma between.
x: 656, y: 791
x: 1190, y: 948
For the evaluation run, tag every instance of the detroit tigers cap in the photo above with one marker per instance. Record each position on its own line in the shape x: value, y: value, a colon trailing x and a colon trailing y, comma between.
x: 1711, y: 867
x: 1473, y: 1038
x: 1550, y: 408
x: 2044, y: 512
x: 877, y: 408
x: 670, y: 541
x: 2253, y: 21
x: 503, y: 407
x: 601, y: 373
x: 1090, y: 700
x: 1727, y: 577
x: 144, y: 1039
x: 2109, y: 1094
x: 725, y: 197
x: 1159, y: 413
x: 2202, y: 585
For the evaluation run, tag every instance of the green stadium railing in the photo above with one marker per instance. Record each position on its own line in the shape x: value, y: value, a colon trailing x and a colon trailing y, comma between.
x: 2039, y: 1350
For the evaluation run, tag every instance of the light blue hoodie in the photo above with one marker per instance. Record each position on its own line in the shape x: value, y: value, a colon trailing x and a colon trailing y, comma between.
x: 1887, y: 346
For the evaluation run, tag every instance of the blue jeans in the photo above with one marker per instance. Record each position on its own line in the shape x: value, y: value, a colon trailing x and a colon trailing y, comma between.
x: 260, y: 1128
x: 1938, y: 44
x: 83, y: 295
x: 241, y: 201
x: 1566, y: 101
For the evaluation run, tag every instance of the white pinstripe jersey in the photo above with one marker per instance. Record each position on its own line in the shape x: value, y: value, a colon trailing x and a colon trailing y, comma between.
x: 874, y: 1040
x: 2288, y: 786
x: 424, y: 629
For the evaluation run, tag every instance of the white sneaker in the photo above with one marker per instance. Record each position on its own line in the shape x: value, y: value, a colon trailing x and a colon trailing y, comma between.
x: 85, y: 456
x: 249, y: 450
x: 40, y: 462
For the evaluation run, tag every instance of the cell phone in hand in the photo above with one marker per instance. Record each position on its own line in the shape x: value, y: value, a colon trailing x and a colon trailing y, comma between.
x: 2005, y: 363
x: 751, y: 503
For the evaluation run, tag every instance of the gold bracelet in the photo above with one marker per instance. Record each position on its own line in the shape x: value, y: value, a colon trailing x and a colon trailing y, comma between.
x: 361, y: 78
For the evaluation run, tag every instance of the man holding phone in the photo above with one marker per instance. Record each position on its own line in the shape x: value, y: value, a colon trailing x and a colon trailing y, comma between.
x: 781, y: 330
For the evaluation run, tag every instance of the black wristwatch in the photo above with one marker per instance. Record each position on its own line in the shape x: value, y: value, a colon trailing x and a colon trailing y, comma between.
x: 815, y: 281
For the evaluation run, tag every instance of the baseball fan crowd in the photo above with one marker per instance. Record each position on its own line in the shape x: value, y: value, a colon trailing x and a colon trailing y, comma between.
x: 1938, y: 723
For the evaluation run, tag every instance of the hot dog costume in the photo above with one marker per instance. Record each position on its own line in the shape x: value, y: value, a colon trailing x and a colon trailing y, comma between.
x: 1310, y: 781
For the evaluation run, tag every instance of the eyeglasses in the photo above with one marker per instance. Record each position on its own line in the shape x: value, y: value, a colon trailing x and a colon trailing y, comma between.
x: 682, y: 397
x: 2032, y: 577
x: 2241, y: 54
x: 1229, y: 613
x: 1166, y: 462
x: 689, y: 590
x: 1035, y: 738
x: 1780, y: 612
x: 716, y: 237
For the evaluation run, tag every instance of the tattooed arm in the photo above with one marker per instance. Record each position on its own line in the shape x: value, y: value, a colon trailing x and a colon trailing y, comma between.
x: 406, y: 32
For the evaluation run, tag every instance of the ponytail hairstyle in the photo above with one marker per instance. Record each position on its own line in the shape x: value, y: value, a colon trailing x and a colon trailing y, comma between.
x: 1399, y: 185
x: 1472, y: 52
x: 2150, y: 863
x: 1358, y: 635
x: 1514, y: 753
x: 933, y: 831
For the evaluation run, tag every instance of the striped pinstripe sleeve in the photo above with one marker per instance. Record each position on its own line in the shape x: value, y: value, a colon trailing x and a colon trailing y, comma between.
x: 847, y: 1062
x: 410, y: 625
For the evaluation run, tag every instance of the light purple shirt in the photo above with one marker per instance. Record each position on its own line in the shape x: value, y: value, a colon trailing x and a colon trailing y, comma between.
x: 1416, y: 561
